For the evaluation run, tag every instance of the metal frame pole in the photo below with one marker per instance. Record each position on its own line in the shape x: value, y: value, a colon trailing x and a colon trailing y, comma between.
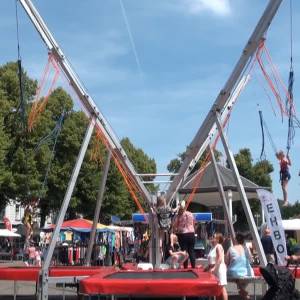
x: 222, y: 194
x: 43, y: 291
x: 98, y: 208
x: 158, y: 240
x: 196, y: 149
x: 229, y: 198
x: 152, y: 241
x: 244, y: 200
x: 86, y: 100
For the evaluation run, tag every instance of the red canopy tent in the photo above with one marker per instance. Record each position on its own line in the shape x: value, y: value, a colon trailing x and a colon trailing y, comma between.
x: 82, y: 225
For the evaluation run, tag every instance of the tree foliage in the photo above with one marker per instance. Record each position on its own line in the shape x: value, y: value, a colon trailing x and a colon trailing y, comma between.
x: 175, y: 164
x: 258, y: 173
x: 32, y: 168
x: 291, y: 211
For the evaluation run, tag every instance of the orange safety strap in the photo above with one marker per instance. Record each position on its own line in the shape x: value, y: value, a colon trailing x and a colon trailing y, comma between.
x: 40, y: 105
x: 128, y: 181
x: 207, y: 158
x: 276, y: 81
x: 96, y: 153
x: 199, y: 176
x: 276, y: 72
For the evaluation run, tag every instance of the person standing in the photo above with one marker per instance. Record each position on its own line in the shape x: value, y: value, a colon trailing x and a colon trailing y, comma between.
x: 238, y: 260
x: 38, y: 259
x: 184, y: 228
x: 268, y: 247
x: 216, y: 262
x: 31, y: 254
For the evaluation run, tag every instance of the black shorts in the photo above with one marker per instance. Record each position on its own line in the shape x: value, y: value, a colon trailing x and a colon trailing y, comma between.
x: 285, y: 175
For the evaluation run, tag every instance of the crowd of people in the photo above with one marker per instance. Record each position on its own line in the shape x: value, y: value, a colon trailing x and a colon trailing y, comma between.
x: 234, y: 264
x: 231, y: 262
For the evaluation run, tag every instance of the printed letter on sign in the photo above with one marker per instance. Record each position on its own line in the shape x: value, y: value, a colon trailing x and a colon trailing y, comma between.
x: 273, y: 217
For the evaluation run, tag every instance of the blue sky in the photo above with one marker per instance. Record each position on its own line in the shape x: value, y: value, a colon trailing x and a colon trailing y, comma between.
x: 156, y: 82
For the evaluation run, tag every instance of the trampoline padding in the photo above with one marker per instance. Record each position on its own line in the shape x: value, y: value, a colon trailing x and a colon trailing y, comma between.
x: 32, y: 273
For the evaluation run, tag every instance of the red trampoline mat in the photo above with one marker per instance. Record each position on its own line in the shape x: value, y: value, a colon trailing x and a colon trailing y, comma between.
x: 151, y: 283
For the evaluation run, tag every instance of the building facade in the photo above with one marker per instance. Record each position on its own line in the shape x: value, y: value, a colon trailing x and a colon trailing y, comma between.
x: 14, y: 212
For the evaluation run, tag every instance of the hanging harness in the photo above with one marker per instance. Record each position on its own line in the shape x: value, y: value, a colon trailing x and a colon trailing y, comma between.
x: 284, y: 170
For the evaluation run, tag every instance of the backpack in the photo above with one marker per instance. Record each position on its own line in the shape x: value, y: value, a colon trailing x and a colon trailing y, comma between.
x: 281, y: 282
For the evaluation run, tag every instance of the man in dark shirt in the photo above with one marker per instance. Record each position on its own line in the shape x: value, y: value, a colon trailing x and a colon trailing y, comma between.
x: 267, y: 244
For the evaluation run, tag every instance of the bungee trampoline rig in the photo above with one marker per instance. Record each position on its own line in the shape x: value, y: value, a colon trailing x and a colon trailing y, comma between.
x: 108, y: 281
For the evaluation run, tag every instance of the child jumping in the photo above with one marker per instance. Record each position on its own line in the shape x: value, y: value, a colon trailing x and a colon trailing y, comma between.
x: 285, y: 176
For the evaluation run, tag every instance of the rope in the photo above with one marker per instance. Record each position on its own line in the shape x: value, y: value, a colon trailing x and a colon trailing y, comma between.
x: 249, y: 68
x: 264, y: 126
x: 17, y: 23
x: 293, y: 121
x: 262, y: 153
x: 266, y: 92
x: 39, y: 105
x: 22, y: 104
x: 274, y: 82
x: 204, y: 164
x: 291, y: 128
x: 54, y: 133
x: 267, y: 77
x: 128, y: 181
x: 291, y: 30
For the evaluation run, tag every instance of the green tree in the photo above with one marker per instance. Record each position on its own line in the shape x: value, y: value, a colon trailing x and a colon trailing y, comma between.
x: 291, y: 211
x: 27, y: 157
x: 258, y: 173
x: 175, y: 164
x: 5, y: 174
x: 117, y: 199
x: 18, y: 160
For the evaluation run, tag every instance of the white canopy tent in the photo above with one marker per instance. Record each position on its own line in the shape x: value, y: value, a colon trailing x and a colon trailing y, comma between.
x: 8, y: 233
x: 206, y: 190
x: 292, y: 224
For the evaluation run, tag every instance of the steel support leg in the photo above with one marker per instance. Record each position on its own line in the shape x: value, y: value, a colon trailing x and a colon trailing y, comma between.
x: 152, y: 242
x: 158, y: 241
x: 222, y: 194
x: 243, y: 195
x: 154, y: 249
x: 15, y: 289
x: 98, y: 208
x: 230, y: 205
x: 43, y: 290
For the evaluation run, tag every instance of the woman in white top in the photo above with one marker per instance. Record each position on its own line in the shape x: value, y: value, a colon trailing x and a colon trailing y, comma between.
x: 216, y: 263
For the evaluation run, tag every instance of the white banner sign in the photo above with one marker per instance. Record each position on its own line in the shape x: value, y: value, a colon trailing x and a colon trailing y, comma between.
x: 274, y: 223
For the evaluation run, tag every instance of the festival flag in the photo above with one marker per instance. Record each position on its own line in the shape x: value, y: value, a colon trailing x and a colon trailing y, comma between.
x: 274, y: 223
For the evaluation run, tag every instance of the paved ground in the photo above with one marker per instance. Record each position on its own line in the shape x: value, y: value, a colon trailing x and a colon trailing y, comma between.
x: 26, y: 290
